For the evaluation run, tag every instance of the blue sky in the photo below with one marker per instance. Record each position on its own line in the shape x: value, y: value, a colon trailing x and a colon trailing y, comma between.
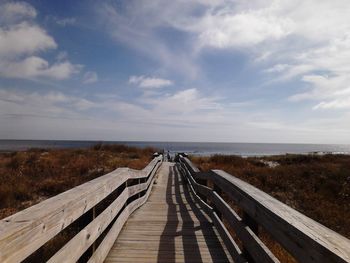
x: 196, y: 70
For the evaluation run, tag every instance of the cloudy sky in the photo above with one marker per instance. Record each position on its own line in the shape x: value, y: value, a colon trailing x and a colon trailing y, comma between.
x: 180, y: 70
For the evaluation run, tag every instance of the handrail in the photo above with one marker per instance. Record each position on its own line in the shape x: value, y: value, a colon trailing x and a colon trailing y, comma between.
x: 305, y: 239
x: 26, y: 231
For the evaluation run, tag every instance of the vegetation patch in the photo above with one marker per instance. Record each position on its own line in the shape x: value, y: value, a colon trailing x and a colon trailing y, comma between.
x: 28, y: 177
x: 317, y: 186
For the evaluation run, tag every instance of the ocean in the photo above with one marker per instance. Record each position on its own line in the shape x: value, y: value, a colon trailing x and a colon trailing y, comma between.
x: 195, y: 148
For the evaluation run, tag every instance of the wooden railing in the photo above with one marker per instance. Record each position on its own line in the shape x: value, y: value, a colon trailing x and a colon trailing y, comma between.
x: 25, y: 232
x: 305, y: 239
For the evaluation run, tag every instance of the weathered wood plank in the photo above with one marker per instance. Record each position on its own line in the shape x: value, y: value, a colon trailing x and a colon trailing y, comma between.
x: 228, y: 240
x: 73, y: 250
x: 24, y: 232
x: 233, y: 248
x: 260, y: 251
x: 304, y: 238
x: 21, y: 234
x: 255, y: 246
x: 170, y: 227
x: 192, y: 168
x: 105, y: 246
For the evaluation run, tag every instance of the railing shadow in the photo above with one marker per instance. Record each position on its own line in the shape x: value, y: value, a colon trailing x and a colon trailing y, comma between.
x: 188, y: 229
x: 166, y: 251
x: 184, y: 214
x: 215, y: 248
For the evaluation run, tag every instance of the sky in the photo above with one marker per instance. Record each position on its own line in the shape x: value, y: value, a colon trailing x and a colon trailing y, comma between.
x: 180, y: 70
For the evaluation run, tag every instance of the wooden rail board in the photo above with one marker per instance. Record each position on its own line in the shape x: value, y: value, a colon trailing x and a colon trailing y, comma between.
x: 169, y: 227
x: 304, y: 238
x: 26, y: 231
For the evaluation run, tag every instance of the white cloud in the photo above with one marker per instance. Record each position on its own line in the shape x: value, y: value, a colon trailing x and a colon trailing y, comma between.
x: 14, y: 11
x: 218, y: 24
x: 34, y: 66
x: 149, y: 82
x: 51, y: 104
x: 287, y: 38
x: 90, y: 77
x: 182, y: 102
x: 21, y: 39
x: 60, y: 70
x: 277, y: 68
x: 334, y: 104
x: 166, y: 112
x: 141, y: 34
x: 186, y: 115
x: 67, y: 21
x: 226, y: 30
x: 315, y: 52
x: 333, y: 92
x: 24, y: 38
x: 331, y: 87
x: 61, y: 56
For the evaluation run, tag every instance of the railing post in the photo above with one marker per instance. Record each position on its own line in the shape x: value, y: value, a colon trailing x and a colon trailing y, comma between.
x: 253, y: 225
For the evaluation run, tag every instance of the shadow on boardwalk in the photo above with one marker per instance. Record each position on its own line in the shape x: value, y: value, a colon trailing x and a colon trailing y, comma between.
x: 186, y: 220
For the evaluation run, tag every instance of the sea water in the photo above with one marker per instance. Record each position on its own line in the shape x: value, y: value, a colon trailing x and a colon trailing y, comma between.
x: 196, y: 148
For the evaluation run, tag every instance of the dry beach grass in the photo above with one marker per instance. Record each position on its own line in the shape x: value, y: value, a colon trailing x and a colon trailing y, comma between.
x: 28, y: 177
x: 316, y: 185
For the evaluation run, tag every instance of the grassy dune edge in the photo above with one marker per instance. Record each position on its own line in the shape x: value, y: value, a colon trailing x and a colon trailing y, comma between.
x: 28, y: 177
x: 317, y: 186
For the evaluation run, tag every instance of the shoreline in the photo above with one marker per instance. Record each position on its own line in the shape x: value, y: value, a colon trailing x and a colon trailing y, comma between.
x: 193, y: 148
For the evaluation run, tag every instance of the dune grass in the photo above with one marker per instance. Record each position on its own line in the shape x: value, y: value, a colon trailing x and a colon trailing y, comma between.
x: 28, y: 177
x: 317, y: 186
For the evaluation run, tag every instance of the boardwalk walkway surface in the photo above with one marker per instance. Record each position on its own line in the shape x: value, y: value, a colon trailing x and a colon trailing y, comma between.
x: 170, y: 227
x: 155, y: 215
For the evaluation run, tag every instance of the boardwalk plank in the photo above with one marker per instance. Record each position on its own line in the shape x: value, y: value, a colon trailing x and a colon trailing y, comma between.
x: 171, y: 227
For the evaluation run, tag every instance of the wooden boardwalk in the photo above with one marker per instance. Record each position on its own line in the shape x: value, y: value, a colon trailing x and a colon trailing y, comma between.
x: 169, y: 227
x: 158, y: 214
